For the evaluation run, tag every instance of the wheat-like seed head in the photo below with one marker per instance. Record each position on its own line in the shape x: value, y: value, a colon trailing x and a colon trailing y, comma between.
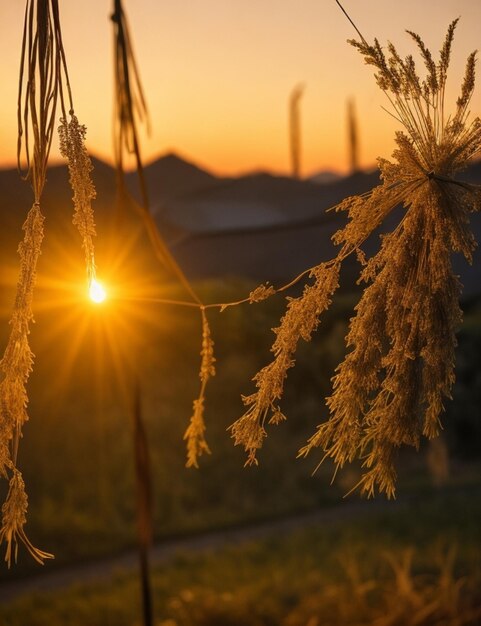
x: 14, y: 511
x: 299, y: 322
x: 195, y: 433
x: 17, y: 360
x: 390, y: 389
x: 72, y: 147
x: 43, y: 80
x: 260, y: 293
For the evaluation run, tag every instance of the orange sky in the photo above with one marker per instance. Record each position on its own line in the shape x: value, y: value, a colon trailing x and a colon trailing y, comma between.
x: 217, y: 74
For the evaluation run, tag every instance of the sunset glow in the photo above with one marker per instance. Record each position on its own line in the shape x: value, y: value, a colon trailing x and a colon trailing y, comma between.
x: 217, y: 76
x: 97, y: 292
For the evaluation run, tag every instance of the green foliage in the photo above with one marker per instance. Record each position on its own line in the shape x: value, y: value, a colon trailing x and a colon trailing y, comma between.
x: 416, y: 563
x: 82, y: 500
x: 77, y: 458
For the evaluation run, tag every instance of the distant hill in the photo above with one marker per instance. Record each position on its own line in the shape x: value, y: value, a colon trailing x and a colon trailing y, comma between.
x: 171, y: 176
x: 259, y: 226
x: 324, y: 177
x: 259, y: 201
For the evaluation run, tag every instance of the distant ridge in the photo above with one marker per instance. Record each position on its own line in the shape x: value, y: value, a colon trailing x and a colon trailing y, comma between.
x: 171, y: 176
x: 260, y: 226
x: 324, y: 177
x: 260, y: 200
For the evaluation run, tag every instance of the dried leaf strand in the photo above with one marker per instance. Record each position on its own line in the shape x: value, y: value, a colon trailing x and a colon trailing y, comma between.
x: 72, y: 147
x: 195, y: 433
x: 43, y: 79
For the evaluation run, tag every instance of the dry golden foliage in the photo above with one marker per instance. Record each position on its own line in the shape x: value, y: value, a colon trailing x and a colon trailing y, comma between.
x: 43, y: 77
x: 390, y: 388
x: 299, y: 322
x: 15, y: 368
x: 14, y: 512
x: 130, y: 104
x: 130, y: 111
x: 262, y: 292
x: 195, y: 433
x: 17, y: 360
x: 72, y: 147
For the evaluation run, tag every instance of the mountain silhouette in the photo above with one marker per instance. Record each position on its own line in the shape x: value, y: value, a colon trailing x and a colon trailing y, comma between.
x: 259, y: 226
x: 171, y: 176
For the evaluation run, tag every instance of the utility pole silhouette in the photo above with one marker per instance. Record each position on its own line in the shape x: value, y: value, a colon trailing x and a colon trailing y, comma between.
x: 295, y: 129
x: 352, y: 127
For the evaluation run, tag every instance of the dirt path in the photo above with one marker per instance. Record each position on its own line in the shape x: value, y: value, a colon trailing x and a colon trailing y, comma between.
x: 104, y: 570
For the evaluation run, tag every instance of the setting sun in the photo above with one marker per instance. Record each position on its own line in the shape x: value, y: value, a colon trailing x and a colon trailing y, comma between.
x: 97, y: 292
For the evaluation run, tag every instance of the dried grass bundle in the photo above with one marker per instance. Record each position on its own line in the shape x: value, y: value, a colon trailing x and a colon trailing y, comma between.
x: 43, y: 80
x: 131, y: 111
x: 195, y: 433
x: 72, y: 147
x: 299, y: 322
x: 390, y: 389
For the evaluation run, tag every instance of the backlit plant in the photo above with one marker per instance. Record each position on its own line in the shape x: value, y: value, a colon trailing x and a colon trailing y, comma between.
x: 391, y: 386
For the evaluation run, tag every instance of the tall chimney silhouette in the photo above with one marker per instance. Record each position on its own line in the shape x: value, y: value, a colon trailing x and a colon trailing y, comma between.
x: 353, y: 136
x: 295, y: 129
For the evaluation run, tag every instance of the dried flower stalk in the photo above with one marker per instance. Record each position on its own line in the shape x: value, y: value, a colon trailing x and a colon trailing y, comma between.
x: 72, y: 147
x: 195, y: 433
x: 43, y: 78
x: 17, y: 360
x: 131, y: 111
x: 390, y: 389
x: 299, y: 322
x: 14, y: 517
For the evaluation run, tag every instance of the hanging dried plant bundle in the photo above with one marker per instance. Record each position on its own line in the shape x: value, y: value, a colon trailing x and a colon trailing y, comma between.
x: 43, y: 78
x: 130, y: 105
x: 72, y: 148
x: 14, y: 518
x: 130, y: 111
x: 390, y: 389
x: 17, y: 360
x: 299, y: 322
x: 195, y: 433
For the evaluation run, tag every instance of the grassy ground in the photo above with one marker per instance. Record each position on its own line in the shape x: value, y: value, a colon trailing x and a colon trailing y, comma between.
x: 417, y: 564
x: 76, y: 453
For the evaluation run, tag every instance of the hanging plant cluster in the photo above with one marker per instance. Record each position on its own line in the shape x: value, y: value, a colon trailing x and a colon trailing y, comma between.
x: 390, y: 389
x: 44, y: 88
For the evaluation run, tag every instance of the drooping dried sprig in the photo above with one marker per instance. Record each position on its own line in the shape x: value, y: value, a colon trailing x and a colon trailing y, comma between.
x: 390, y: 389
x: 131, y: 111
x: 43, y: 80
x: 130, y: 104
x: 72, y: 147
x: 195, y: 433
x: 17, y: 360
x: 299, y: 322
x: 14, y: 517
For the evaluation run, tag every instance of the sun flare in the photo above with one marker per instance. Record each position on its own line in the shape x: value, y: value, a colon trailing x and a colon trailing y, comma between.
x: 97, y: 292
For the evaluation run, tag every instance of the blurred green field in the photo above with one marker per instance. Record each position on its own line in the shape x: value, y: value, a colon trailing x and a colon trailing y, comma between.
x: 76, y: 454
x: 416, y: 563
